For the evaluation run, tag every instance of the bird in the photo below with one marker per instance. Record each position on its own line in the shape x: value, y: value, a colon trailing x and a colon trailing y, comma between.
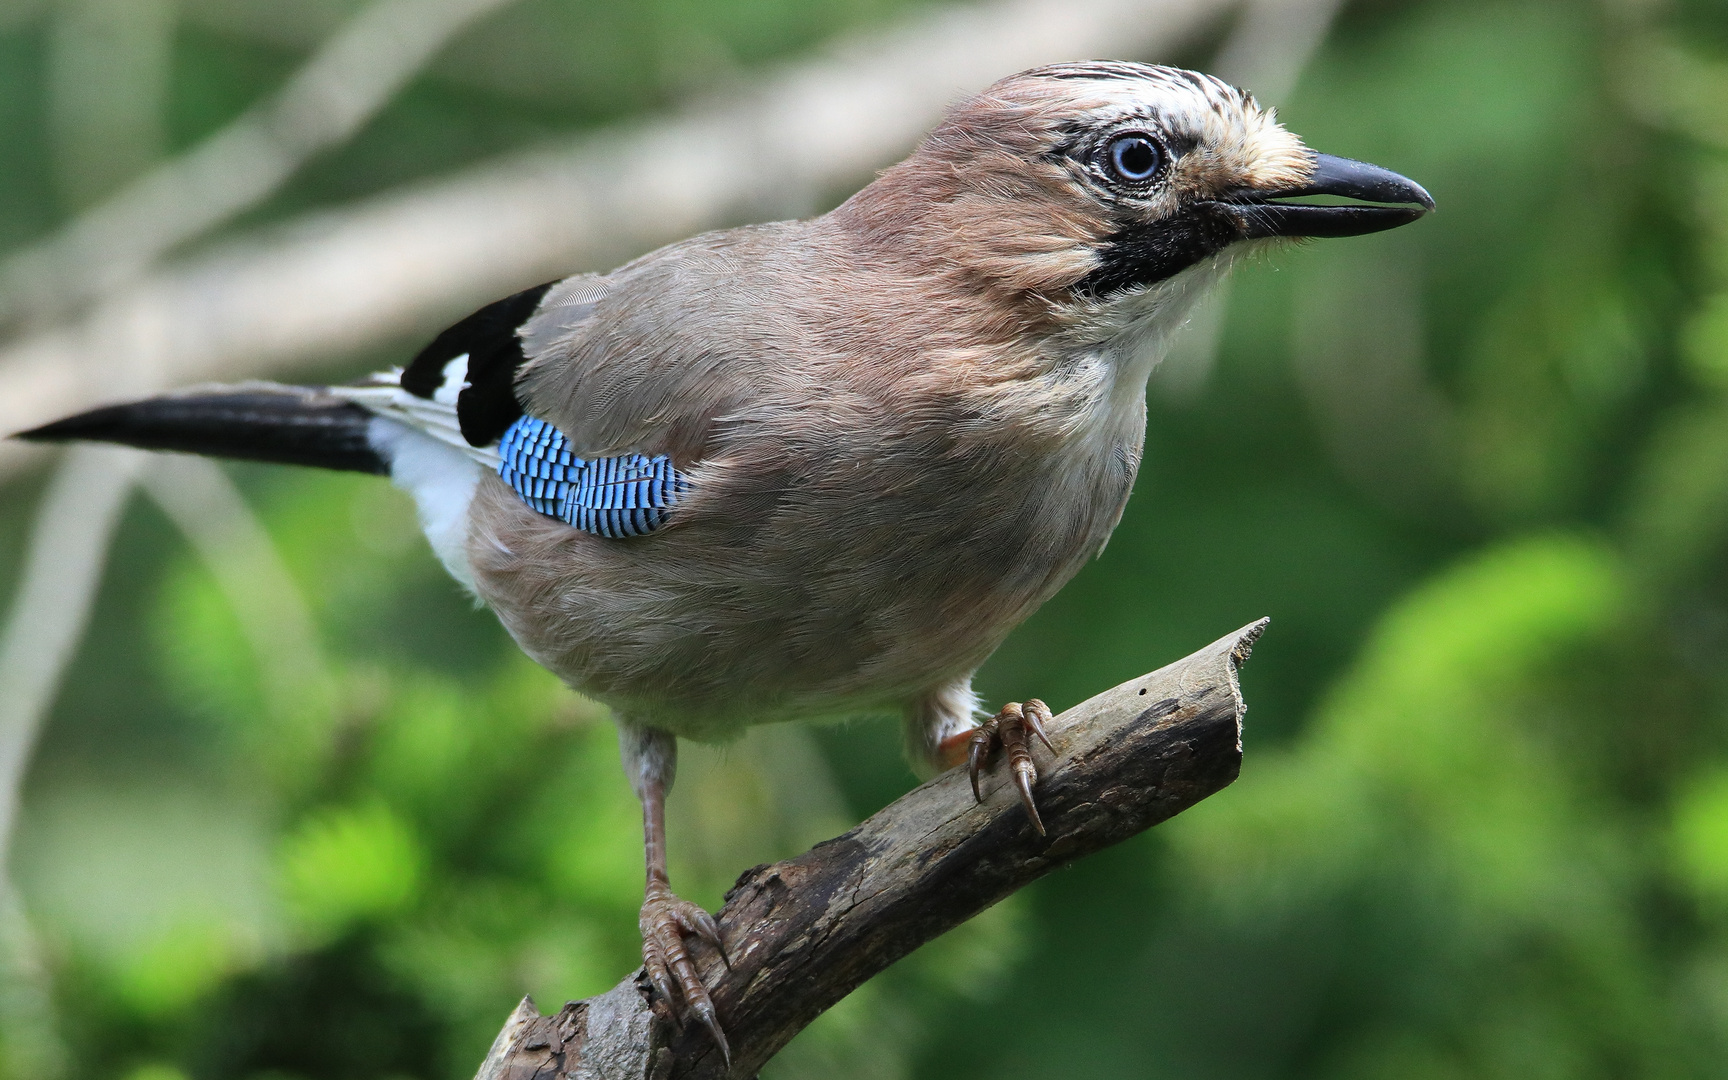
x: 818, y: 468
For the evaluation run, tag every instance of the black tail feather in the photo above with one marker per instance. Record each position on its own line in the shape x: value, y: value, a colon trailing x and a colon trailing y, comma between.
x: 292, y: 425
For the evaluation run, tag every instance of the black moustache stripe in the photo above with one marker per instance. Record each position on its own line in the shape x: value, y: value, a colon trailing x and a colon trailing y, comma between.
x: 1147, y: 254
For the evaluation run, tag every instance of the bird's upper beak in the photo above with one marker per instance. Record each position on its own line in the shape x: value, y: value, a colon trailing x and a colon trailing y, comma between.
x: 1154, y: 251
x: 1340, y: 177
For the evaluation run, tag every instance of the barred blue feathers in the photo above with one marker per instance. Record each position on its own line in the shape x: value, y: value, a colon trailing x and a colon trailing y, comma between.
x: 613, y: 497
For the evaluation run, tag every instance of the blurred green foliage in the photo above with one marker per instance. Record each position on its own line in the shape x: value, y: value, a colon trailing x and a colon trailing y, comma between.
x: 1476, y: 470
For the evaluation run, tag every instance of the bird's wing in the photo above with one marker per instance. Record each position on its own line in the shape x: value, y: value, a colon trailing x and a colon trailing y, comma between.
x: 690, y: 343
x: 461, y: 390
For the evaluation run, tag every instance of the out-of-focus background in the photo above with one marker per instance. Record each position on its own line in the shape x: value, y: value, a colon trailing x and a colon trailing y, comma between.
x: 277, y: 802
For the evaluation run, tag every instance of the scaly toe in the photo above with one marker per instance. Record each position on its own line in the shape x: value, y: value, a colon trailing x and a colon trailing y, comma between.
x: 978, y: 749
x: 666, y: 921
x: 698, y: 922
x: 1037, y: 714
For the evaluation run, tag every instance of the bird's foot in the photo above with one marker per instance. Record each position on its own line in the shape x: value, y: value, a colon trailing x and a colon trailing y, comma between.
x: 1012, y: 730
x: 666, y: 921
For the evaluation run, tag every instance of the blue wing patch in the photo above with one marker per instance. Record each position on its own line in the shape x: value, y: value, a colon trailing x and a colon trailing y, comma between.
x: 628, y: 495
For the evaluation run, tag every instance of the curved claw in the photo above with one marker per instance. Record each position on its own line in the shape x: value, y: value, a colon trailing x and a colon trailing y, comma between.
x: 704, y: 1011
x: 1016, y: 719
x: 1035, y: 712
x: 1025, y: 773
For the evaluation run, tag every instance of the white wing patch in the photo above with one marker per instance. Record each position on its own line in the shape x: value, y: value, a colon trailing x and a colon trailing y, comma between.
x: 422, y: 439
x: 455, y: 381
x: 561, y: 312
x: 382, y: 394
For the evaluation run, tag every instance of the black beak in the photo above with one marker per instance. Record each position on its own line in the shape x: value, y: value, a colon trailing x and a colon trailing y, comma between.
x: 1146, y: 253
x: 1339, y: 177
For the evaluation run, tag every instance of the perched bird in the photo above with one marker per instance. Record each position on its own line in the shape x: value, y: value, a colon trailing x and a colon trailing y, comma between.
x: 817, y: 468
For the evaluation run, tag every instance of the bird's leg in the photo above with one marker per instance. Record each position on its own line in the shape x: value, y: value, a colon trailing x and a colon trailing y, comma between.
x: 651, y: 759
x: 1011, y: 729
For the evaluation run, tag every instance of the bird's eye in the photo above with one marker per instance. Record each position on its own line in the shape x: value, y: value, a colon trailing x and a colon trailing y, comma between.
x: 1133, y: 158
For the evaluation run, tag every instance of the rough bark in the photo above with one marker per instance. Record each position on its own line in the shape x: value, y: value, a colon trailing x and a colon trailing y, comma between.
x: 805, y: 932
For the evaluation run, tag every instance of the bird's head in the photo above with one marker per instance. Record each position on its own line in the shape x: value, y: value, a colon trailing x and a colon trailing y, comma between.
x: 1079, y: 186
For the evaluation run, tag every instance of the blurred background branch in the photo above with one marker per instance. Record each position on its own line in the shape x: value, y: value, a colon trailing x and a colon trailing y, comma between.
x: 347, y: 281
x: 345, y: 83
x: 203, y: 503
x: 109, y: 69
x: 62, y: 566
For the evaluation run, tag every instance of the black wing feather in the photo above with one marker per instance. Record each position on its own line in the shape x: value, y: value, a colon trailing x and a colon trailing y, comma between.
x: 488, y: 405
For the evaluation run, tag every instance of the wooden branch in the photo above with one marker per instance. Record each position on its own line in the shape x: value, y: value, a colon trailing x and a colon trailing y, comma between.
x: 804, y: 933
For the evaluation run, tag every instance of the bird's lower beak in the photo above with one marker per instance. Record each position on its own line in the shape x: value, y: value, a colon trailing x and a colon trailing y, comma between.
x: 1343, y: 178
